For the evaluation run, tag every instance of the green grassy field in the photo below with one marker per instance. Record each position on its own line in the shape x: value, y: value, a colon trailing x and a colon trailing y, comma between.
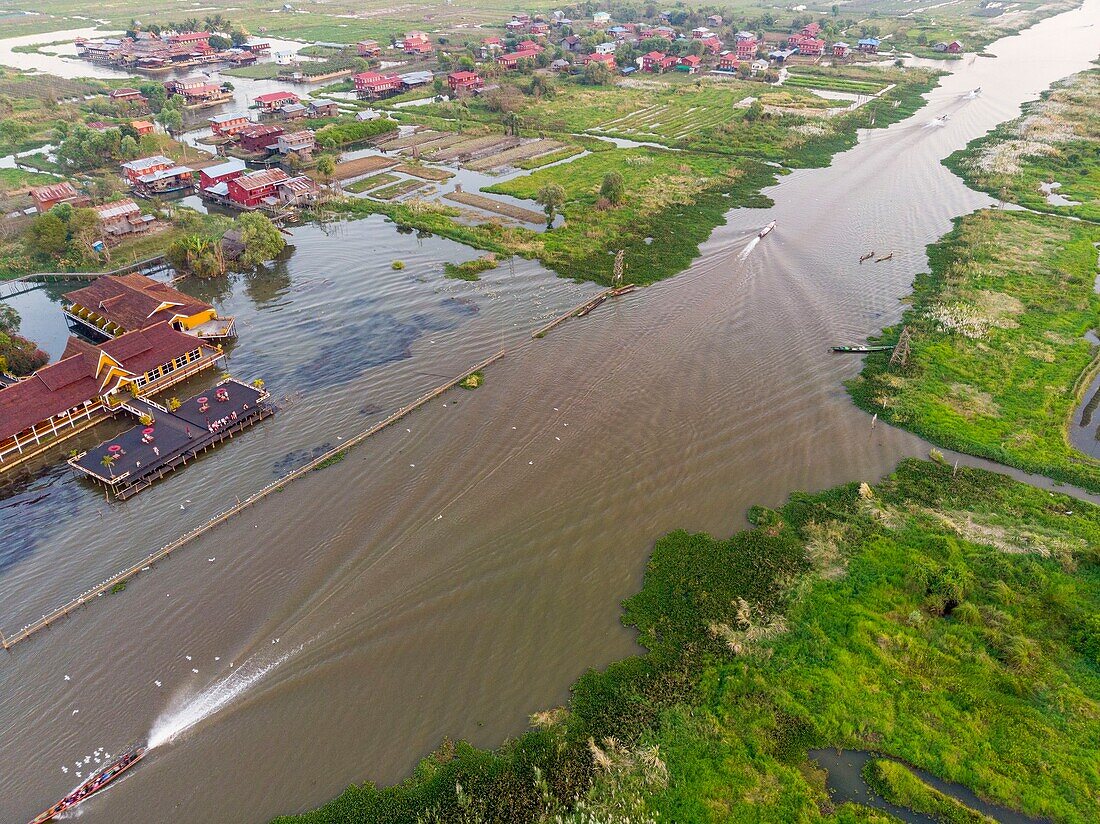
x: 998, y: 343
x: 1057, y: 139
x: 17, y: 179
x: 946, y: 620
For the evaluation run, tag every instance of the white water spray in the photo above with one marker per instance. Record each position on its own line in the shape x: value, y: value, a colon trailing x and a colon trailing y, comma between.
x: 177, y: 720
x: 748, y: 249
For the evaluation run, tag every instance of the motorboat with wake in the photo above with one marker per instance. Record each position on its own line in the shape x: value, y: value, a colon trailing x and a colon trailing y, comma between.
x: 766, y: 229
x: 100, y: 779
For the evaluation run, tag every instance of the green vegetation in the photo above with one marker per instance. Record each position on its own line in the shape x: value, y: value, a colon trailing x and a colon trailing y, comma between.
x: 473, y: 380
x: 998, y: 349
x: 899, y: 785
x: 395, y: 190
x: 471, y: 269
x: 547, y: 159
x: 17, y: 179
x: 119, y: 587
x: 948, y: 620
x: 1056, y: 140
x: 673, y: 198
x: 397, y: 265
x: 350, y: 132
x: 261, y: 239
x: 332, y: 460
x: 18, y: 356
x: 372, y: 182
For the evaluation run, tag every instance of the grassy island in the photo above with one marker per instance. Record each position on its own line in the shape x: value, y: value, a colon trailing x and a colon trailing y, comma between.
x: 947, y: 620
x: 1048, y: 159
x: 999, y: 354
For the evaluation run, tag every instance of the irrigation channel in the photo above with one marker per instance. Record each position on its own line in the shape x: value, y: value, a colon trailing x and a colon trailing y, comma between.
x: 460, y: 569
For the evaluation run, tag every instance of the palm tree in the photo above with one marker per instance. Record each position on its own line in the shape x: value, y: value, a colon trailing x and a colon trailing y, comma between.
x: 109, y: 461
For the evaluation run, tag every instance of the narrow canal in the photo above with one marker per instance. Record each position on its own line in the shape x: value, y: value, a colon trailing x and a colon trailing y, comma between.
x: 459, y: 571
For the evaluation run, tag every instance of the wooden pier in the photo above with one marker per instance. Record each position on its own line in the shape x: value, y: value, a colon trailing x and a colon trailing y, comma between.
x: 7, y: 642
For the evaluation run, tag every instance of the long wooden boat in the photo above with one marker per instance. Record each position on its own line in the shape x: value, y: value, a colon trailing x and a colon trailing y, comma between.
x: 96, y: 782
x: 861, y: 350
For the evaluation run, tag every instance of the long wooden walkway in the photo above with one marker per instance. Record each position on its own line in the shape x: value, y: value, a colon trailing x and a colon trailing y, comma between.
x: 7, y: 642
x: 66, y: 609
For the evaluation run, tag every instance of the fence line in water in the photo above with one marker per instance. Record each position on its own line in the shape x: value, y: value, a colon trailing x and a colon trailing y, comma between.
x: 46, y: 620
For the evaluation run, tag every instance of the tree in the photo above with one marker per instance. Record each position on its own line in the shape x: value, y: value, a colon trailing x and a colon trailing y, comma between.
x: 597, y: 74
x: 84, y: 226
x: 129, y: 147
x: 613, y: 188
x: 197, y: 255
x: 238, y: 37
x: 155, y: 94
x: 551, y: 197
x: 9, y: 319
x: 108, y: 462
x: 262, y: 241
x: 219, y: 43
x: 326, y: 166
x: 47, y: 236
x: 170, y: 119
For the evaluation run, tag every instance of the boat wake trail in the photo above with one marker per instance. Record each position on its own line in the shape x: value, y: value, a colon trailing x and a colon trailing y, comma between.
x: 189, y: 712
x: 748, y: 249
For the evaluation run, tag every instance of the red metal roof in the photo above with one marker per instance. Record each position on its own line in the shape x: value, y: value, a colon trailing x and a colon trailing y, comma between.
x: 132, y: 301
x: 258, y: 180
x: 53, y: 191
x: 273, y: 97
x: 71, y: 381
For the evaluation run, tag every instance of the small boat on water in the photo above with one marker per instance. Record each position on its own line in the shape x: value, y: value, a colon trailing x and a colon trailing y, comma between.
x: 884, y: 257
x: 867, y: 256
x: 861, y: 350
x: 96, y: 782
x: 766, y: 229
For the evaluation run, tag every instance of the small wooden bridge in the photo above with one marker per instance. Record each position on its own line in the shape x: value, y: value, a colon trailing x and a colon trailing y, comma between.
x: 28, y: 283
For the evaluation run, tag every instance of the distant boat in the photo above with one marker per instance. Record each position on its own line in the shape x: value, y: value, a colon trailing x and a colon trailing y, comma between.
x: 867, y: 256
x: 766, y: 229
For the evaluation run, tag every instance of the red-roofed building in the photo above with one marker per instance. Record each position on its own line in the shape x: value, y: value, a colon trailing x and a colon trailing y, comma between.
x: 746, y: 45
x: 46, y: 197
x: 273, y: 100
x: 90, y: 382
x: 417, y: 42
x: 368, y: 48
x: 607, y: 59
x: 511, y: 60
x: 133, y: 169
x: 259, y: 137
x: 713, y: 44
x: 811, y: 46
x: 222, y: 173
x: 463, y: 82
x: 116, y: 304
x: 690, y: 63
x: 374, y: 85
x: 657, y: 62
x: 811, y: 29
x: 191, y: 38
x: 126, y: 95
x: 227, y: 125
x: 142, y: 127
x: 249, y: 191
x: 728, y: 62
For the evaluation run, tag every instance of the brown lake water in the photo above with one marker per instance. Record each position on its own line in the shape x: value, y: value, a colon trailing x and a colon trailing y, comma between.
x: 451, y: 579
